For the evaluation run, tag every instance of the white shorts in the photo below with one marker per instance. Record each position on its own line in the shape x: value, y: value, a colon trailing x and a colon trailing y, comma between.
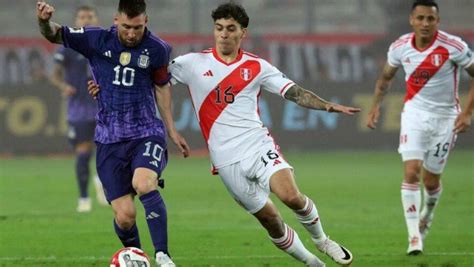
x: 248, y: 181
x: 427, y: 137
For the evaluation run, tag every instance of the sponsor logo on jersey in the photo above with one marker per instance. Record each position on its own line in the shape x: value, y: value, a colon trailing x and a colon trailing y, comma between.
x: 245, y: 74
x: 125, y: 58
x: 108, y: 53
x: 143, y: 61
x: 407, y: 60
x: 208, y: 73
x: 437, y: 60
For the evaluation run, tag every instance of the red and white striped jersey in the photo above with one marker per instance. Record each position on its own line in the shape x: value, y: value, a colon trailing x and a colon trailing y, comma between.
x: 225, y: 98
x: 432, y: 74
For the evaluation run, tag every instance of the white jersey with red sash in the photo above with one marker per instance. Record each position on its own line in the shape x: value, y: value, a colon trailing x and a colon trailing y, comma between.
x: 432, y: 74
x: 225, y: 98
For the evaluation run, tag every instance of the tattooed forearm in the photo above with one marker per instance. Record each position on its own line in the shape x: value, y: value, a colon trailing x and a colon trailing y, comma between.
x: 51, y: 31
x: 305, y: 98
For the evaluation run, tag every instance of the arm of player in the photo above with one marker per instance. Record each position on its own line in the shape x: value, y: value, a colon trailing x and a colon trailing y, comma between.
x: 57, y: 79
x: 163, y: 99
x: 463, y: 121
x: 50, y: 30
x: 308, y: 99
x: 381, y: 87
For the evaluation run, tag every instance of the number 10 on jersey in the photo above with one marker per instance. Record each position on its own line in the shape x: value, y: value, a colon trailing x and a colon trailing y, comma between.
x: 124, y: 76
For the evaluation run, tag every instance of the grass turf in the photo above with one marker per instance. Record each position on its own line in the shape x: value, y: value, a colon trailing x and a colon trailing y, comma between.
x: 357, y: 195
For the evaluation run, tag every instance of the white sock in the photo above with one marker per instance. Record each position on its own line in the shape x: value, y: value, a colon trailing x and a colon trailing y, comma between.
x: 430, y: 201
x: 291, y: 244
x: 309, y: 218
x: 411, y: 200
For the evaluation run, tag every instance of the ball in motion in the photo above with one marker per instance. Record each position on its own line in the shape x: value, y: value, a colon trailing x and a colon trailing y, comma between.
x: 130, y: 257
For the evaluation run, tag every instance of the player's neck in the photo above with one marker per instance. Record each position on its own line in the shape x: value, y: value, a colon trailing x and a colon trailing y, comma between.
x: 424, y: 42
x: 228, y: 58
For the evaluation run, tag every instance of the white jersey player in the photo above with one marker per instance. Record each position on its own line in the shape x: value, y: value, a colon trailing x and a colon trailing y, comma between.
x: 431, y: 117
x: 225, y: 83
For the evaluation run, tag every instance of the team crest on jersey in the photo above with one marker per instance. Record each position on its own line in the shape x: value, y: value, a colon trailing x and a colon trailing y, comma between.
x: 143, y: 61
x: 246, y: 74
x: 437, y: 60
x: 125, y: 58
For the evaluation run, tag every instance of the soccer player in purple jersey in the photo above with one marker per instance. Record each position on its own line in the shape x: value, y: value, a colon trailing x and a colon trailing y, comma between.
x: 129, y: 64
x: 70, y: 76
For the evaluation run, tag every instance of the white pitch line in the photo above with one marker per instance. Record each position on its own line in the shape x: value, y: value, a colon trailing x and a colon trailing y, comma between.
x: 102, y: 258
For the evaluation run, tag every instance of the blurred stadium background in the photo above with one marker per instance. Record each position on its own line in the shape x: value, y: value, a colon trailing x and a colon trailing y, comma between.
x: 335, y: 47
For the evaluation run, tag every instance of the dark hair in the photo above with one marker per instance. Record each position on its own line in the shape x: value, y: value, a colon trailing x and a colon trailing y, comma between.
x: 85, y: 8
x: 425, y: 3
x: 231, y: 10
x: 132, y: 8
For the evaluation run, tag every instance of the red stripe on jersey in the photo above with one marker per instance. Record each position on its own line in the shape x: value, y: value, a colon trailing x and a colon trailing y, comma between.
x: 456, y: 95
x: 451, y: 41
x: 237, y: 80
x: 460, y: 49
x: 425, y: 71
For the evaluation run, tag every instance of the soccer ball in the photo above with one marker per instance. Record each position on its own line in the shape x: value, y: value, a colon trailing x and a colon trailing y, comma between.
x: 130, y: 257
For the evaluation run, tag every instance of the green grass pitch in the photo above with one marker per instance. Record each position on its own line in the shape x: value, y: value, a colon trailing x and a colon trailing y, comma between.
x: 357, y: 194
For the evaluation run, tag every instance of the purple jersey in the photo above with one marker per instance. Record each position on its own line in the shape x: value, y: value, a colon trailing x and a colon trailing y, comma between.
x: 127, y: 107
x: 81, y: 106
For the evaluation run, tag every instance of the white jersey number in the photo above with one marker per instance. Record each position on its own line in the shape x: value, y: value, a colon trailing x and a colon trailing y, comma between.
x: 128, y: 76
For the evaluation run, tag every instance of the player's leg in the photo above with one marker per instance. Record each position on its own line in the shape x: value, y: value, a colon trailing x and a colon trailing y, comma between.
x: 115, y: 174
x: 150, y: 159
x: 83, y: 152
x: 283, y: 236
x: 124, y: 221
x: 282, y: 184
x: 414, y: 143
x: 436, y: 159
x: 432, y: 193
x: 411, y: 202
x: 252, y: 194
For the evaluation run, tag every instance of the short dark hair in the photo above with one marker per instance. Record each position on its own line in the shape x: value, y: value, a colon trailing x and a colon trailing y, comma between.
x: 85, y: 8
x: 425, y: 3
x: 231, y: 10
x: 132, y: 8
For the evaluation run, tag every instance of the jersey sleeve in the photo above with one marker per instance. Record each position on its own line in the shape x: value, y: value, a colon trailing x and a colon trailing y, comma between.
x: 60, y: 56
x: 161, y: 75
x: 82, y: 40
x: 178, y: 70
x: 274, y: 80
x: 393, y: 56
x: 464, y: 57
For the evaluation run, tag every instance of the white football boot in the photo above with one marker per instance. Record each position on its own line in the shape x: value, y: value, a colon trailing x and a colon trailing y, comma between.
x: 338, y: 253
x: 84, y: 205
x: 163, y: 260
x: 415, y: 246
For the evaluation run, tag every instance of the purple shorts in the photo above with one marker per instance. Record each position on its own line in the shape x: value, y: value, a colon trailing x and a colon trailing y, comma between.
x: 116, y: 163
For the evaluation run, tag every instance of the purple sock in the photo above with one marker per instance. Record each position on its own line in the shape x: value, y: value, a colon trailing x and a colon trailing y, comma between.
x: 82, y: 172
x: 155, y: 212
x: 130, y: 237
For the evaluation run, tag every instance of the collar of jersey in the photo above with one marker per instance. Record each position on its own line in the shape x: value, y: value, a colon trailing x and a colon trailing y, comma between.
x: 237, y: 59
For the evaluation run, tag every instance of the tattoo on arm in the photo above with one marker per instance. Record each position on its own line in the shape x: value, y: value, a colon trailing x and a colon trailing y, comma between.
x: 305, y: 98
x: 51, y: 31
x: 383, y: 83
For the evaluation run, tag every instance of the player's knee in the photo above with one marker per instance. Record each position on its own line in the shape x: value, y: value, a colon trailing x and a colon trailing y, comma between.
x: 144, y: 185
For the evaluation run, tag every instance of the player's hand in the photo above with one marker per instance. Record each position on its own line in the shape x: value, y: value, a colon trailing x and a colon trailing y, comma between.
x: 373, y: 117
x: 180, y: 143
x: 69, y: 90
x: 93, y: 89
x: 333, y: 107
x: 44, y: 11
x: 462, y: 123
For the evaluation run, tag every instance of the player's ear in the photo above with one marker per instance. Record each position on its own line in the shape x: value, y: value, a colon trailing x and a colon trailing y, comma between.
x: 244, y: 32
x: 116, y: 19
x: 146, y: 19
